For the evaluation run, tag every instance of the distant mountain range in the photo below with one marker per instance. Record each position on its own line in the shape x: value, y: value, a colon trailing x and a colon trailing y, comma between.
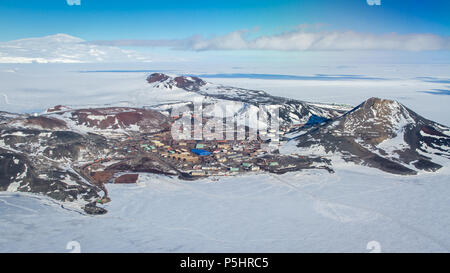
x: 63, y: 48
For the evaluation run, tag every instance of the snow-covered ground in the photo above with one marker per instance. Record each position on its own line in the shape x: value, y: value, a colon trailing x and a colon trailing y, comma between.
x: 310, y: 211
x: 298, y: 212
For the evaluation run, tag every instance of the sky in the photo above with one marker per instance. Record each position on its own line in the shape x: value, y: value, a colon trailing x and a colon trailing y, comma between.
x: 243, y: 25
x: 137, y: 19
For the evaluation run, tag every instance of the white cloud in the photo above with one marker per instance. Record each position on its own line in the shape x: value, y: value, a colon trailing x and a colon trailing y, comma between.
x: 300, y: 40
x: 73, y: 2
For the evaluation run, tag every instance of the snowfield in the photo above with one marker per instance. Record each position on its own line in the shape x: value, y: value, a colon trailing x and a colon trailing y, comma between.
x: 308, y: 211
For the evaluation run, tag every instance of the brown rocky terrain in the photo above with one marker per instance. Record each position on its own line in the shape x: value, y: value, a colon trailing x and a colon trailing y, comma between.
x: 45, y: 123
x: 115, y: 118
x: 45, y: 154
x: 157, y: 77
x: 127, y: 178
x: 183, y: 82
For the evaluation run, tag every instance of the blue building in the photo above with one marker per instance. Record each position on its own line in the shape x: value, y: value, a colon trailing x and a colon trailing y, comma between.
x: 200, y: 152
x: 314, y: 120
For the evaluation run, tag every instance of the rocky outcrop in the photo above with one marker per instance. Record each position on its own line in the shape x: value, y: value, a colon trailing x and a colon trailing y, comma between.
x: 47, y: 154
x: 114, y: 118
x: 157, y: 77
x: 189, y: 83
x: 19, y: 174
x: 127, y: 179
x: 183, y: 82
x: 42, y: 162
x: 43, y: 122
x: 57, y: 108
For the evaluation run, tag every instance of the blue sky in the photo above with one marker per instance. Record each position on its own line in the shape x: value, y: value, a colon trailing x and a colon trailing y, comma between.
x: 133, y: 19
x: 276, y: 31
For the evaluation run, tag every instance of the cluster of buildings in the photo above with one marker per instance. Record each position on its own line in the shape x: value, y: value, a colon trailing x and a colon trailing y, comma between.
x: 201, y: 158
x: 198, y: 158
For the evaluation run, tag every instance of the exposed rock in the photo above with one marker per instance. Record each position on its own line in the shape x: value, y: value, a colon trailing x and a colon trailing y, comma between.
x: 115, y: 118
x: 127, y: 179
x: 57, y: 108
x: 46, y: 161
x: 143, y: 164
x: 104, y: 200
x: 92, y: 208
x: 13, y: 167
x: 40, y: 123
x: 19, y: 174
x: 189, y: 83
x: 102, y: 177
x: 157, y: 77
x: 6, y: 117
x: 183, y: 82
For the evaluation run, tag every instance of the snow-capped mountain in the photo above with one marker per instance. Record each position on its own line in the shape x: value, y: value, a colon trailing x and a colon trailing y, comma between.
x: 171, y: 91
x: 62, y: 48
x: 379, y: 133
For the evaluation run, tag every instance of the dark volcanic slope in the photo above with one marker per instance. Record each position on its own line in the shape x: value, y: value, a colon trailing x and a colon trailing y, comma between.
x: 45, y: 154
x: 39, y: 161
x: 111, y: 119
x: 383, y: 134
x: 6, y: 117
x: 186, y: 83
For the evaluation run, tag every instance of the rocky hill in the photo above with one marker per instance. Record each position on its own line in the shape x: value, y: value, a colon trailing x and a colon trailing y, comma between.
x: 45, y: 154
x: 110, y: 120
x: 181, y: 89
x: 383, y: 134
